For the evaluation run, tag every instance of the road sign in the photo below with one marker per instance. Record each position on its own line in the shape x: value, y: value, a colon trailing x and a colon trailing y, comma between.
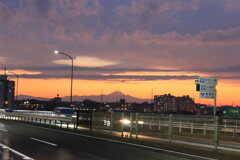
x: 209, y: 88
x: 209, y: 95
x: 206, y: 86
x: 204, y: 80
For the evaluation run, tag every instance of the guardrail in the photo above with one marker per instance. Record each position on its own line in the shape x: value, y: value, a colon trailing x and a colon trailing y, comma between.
x: 203, y: 129
x: 45, y: 119
x: 7, y: 153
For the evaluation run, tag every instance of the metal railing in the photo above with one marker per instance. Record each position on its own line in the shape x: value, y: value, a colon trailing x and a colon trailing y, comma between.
x: 7, y: 153
x: 199, y: 129
x: 44, y: 119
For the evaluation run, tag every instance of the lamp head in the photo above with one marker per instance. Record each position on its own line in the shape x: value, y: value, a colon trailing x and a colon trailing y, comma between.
x: 56, y: 52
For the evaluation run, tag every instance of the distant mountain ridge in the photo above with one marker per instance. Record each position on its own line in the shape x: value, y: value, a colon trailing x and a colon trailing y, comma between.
x: 112, y: 97
x: 25, y: 97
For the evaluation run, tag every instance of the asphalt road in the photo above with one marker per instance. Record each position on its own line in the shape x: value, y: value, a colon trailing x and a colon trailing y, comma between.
x: 45, y: 144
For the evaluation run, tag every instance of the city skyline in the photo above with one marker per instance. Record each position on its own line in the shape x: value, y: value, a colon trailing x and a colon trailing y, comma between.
x: 131, y: 46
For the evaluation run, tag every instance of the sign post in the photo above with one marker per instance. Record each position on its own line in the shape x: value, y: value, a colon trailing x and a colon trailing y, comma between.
x: 207, y: 89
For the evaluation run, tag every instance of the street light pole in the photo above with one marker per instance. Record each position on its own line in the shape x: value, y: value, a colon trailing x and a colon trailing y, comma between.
x: 16, y: 85
x: 58, y: 52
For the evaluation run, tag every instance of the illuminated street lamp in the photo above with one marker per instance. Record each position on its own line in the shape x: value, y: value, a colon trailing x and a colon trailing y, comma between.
x: 17, y: 83
x: 58, y: 52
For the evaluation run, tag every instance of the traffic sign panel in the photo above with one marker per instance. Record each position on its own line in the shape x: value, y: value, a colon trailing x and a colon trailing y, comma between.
x: 209, y: 95
x: 204, y: 87
x: 204, y: 80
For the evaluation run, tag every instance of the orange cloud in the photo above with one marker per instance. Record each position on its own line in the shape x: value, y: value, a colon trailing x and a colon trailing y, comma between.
x: 2, y: 59
x: 85, y: 61
x: 19, y: 72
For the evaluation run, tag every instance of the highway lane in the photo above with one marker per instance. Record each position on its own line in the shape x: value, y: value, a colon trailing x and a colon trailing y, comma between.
x: 45, y: 144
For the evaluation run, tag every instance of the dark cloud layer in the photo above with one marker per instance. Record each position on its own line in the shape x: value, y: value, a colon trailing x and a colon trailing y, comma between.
x: 5, y: 13
x: 122, y: 78
x: 140, y: 36
x: 104, y: 69
x: 230, y: 35
x: 227, y: 69
x: 42, y: 7
x: 110, y: 77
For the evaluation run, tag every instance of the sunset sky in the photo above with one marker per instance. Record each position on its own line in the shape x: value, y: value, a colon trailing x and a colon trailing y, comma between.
x: 134, y: 46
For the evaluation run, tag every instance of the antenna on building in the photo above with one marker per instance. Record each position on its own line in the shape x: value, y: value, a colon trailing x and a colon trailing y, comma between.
x: 151, y: 99
x: 5, y: 71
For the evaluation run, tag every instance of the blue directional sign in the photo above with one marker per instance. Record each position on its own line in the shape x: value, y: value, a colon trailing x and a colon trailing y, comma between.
x: 207, y: 87
x: 204, y: 80
x: 204, y: 88
x: 209, y: 95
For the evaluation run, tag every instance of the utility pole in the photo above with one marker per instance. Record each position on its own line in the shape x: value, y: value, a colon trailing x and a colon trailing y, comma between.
x: 151, y: 99
x: 101, y: 96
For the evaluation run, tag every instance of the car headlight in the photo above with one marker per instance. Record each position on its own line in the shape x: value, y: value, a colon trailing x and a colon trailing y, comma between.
x: 125, y: 121
x: 140, y: 122
x: 74, y: 116
x: 62, y: 115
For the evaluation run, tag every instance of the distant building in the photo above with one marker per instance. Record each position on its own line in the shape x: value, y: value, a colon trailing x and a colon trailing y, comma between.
x: 122, y: 101
x: 170, y: 104
x: 185, y: 105
x: 165, y: 103
x: 56, y: 99
x: 7, y: 89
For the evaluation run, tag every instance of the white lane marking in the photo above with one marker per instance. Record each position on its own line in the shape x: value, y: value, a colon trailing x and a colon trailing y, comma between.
x: 132, y: 144
x: 39, y: 140
x: 3, y: 130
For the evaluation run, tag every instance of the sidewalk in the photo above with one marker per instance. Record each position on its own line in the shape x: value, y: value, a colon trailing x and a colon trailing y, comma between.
x: 207, y: 146
x: 226, y: 146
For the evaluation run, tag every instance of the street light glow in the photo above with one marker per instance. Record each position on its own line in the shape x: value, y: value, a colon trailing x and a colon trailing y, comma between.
x: 56, y: 51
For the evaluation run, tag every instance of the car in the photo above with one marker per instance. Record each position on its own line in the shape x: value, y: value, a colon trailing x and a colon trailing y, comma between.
x: 64, y: 112
x: 8, y: 110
